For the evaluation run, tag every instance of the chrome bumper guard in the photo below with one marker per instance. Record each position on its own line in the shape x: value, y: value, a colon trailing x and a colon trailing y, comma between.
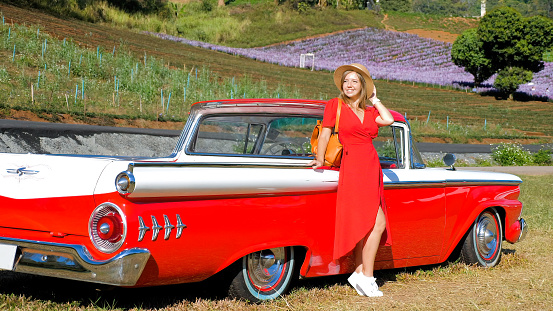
x: 70, y: 261
x: 523, y: 229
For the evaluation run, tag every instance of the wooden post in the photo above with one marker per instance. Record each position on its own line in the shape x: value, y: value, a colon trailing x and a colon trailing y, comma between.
x: 32, y: 94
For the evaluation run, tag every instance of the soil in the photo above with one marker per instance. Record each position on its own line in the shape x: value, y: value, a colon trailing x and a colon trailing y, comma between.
x: 434, y: 34
x: 67, y: 118
x: 424, y: 33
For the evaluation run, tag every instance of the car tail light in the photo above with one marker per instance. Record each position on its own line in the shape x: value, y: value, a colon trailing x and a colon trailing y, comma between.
x: 124, y: 182
x: 107, y: 227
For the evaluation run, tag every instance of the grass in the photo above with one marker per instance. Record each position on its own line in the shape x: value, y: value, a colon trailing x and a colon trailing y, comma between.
x: 454, y: 132
x: 240, y: 23
x: 522, y: 278
x: 407, y: 21
x: 287, y: 24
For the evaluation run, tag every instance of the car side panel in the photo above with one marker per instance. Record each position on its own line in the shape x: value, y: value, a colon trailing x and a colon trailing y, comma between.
x: 464, y: 204
x: 417, y: 221
x: 220, y: 231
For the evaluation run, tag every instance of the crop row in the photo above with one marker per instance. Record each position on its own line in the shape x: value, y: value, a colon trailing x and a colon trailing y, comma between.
x: 43, y: 72
x: 388, y: 55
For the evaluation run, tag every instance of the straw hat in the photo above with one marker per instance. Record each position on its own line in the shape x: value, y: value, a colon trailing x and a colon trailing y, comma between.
x: 360, y: 69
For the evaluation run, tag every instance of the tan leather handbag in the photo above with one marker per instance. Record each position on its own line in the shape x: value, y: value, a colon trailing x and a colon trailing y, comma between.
x: 333, y: 154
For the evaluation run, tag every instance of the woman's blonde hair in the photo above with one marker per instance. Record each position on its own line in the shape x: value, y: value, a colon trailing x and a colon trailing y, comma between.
x: 362, y: 95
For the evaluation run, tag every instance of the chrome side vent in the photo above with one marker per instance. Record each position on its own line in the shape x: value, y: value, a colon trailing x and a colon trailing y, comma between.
x: 168, y: 227
x: 180, y: 226
x: 142, y: 229
x: 156, y: 228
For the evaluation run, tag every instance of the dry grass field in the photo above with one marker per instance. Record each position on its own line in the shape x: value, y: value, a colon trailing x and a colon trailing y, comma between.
x: 521, y: 281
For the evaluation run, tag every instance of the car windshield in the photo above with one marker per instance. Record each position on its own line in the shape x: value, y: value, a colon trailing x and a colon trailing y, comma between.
x: 278, y: 136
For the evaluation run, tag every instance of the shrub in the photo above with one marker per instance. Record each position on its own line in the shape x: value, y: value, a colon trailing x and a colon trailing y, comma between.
x: 542, y: 157
x: 511, y: 154
x: 509, y: 79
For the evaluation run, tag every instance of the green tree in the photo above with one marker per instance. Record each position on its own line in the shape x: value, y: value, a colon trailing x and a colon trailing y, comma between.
x: 505, y: 43
x: 501, y: 32
x: 396, y: 5
x: 467, y: 52
x: 510, y: 40
x: 508, y: 79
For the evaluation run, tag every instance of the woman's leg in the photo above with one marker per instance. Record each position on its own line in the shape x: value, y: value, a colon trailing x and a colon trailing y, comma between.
x: 370, y: 247
x: 358, y: 252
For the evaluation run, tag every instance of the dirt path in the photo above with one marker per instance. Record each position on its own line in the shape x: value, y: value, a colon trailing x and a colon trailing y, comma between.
x: 386, y: 26
x: 424, y: 33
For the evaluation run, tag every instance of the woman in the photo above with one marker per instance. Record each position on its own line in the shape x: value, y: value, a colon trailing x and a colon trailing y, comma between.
x: 360, y: 209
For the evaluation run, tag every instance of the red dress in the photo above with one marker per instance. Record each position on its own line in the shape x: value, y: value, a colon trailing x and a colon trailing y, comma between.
x: 360, y: 185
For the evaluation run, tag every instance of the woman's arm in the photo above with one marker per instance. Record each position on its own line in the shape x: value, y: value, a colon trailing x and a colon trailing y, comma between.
x: 385, y: 117
x: 324, y: 137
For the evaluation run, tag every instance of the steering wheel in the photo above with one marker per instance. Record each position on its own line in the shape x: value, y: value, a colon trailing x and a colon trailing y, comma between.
x: 283, y: 148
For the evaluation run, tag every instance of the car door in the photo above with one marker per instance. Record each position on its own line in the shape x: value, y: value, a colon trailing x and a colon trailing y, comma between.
x: 415, y: 201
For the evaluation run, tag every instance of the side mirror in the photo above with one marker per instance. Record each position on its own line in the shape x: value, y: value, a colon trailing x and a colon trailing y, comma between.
x: 449, y: 160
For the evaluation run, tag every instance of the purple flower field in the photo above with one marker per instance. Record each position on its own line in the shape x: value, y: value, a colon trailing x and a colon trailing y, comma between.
x: 388, y: 55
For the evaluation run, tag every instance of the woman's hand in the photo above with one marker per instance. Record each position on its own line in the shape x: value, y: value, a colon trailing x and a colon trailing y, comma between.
x: 373, y: 97
x: 324, y: 136
x: 385, y: 117
x: 315, y: 164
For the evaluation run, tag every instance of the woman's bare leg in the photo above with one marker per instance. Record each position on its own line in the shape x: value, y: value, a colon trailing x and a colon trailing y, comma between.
x: 359, y: 254
x: 370, y: 248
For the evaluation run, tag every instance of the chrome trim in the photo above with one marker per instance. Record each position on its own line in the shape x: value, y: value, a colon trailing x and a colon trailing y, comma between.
x: 216, y: 164
x: 265, y: 269
x: 168, y: 227
x: 21, y: 171
x: 523, y: 230
x: 155, y: 228
x: 477, y: 182
x: 486, y: 236
x: 132, y: 182
x: 454, y: 183
x: 71, y: 261
x: 180, y: 226
x: 142, y: 229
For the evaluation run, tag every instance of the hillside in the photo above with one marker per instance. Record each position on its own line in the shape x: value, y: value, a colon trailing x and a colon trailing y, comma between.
x: 415, y: 101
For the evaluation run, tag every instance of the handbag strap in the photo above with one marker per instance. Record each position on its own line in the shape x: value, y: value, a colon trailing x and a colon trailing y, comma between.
x: 337, y: 122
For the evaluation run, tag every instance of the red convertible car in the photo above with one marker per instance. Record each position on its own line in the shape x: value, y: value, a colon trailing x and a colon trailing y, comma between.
x: 236, y: 196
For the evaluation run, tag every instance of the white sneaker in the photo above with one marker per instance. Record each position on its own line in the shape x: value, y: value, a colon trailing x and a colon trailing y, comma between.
x: 368, y: 286
x: 353, y: 282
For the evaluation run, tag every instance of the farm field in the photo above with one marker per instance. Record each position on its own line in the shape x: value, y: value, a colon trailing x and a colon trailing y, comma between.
x: 529, y: 119
x: 390, y: 55
x: 521, y: 280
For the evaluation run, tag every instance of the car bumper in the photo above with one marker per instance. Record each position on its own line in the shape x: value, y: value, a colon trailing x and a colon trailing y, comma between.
x: 74, y: 262
x: 517, y: 231
x: 523, y: 229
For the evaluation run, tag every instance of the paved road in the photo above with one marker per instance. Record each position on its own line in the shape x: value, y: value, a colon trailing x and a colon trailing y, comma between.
x: 468, y: 148
x: 45, y: 127
x: 515, y: 170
